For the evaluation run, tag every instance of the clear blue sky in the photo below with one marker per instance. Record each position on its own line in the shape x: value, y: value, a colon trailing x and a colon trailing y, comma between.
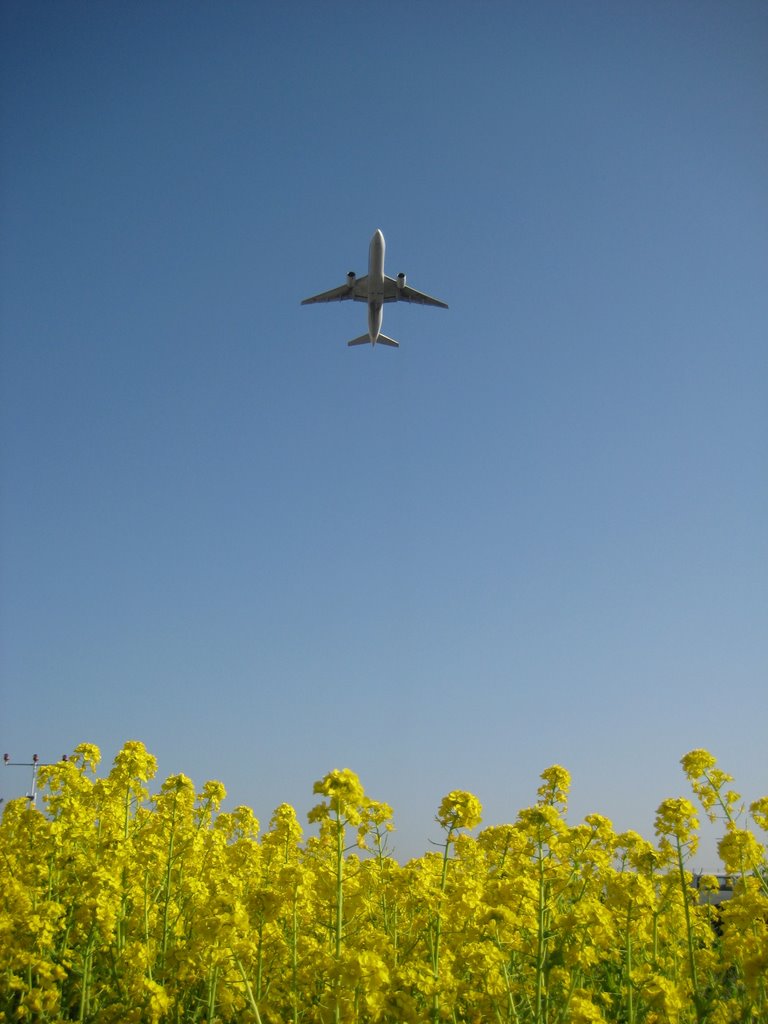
x: 536, y: 533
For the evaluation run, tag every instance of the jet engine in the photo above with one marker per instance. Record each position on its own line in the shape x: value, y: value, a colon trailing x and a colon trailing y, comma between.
x: 351, y: 277
x: 401, y: 281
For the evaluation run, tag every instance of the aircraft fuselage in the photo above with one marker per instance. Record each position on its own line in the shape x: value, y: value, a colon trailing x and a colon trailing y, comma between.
x: 376, y: 252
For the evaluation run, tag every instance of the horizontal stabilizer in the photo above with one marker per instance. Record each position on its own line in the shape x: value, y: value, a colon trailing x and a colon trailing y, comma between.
x: 382, y: 339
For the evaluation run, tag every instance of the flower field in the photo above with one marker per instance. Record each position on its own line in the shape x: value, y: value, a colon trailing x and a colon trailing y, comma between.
x: 120, y: 907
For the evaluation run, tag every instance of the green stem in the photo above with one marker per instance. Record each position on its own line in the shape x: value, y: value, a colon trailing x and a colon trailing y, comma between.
x: 630, y: 992
x: 146, y: 924
x: 127, y: 811
x: 339, y: 923
x: 689, y: 930
x: 438, y: 928
x: 339, y: 884
x: 260, y: 960
x: 213, y: 979
x: 86, y: 983
x: 541, y: 947
x: 249, y: 992
x: 168, y: 872
x: 511, y: 1008
x: 295, y: 957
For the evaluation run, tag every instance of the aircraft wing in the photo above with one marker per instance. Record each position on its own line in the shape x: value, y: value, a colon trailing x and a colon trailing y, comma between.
x: 356, y: 289
x: 394, y: 291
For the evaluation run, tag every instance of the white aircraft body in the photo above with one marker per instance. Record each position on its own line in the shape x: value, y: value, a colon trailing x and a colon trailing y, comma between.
x: 375, y: 289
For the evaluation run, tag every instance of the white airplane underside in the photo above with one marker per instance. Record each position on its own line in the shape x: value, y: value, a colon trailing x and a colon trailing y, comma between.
x: 375, y: 289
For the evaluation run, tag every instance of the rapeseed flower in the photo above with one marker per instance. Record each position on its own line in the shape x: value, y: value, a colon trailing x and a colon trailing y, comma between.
x: 759, y: 811
x: 740, y: 851
x: 459, y: 810
x: 676, y: 819
x: 121, y: 908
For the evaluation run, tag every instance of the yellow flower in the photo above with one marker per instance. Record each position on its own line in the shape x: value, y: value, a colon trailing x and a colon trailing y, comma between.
x: 120, y: 909
x: 664, y: 996
x: 459, y: 810
x: 557, y: 783
x: 708, y: 783
x: 133, y: 762
x: 541, y: 821
x: 582, y: 1009
x: 345, y: 795
x: 697, y: 763
x: 740, y: 852
x: 759, y: 811
x: 158, y: 1002
x: 676, y: 817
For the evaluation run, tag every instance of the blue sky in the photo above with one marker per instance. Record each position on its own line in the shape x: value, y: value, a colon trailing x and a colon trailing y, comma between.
x: 536, y: 533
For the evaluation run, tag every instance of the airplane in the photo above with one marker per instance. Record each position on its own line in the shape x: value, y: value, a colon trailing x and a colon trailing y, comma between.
x: 375, y: 289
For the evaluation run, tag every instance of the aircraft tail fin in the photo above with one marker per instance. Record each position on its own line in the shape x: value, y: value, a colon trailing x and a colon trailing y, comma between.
x: 362, y: 340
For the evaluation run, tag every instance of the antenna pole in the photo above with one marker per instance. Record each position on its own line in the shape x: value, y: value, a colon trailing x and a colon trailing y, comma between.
x: 34, y: 764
